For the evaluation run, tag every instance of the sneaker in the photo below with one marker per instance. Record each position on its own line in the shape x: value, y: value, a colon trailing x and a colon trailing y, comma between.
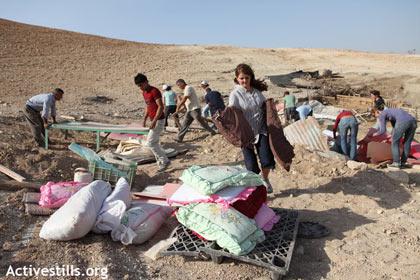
x: 268, y: 186
x: 406, y: 165
x: 394, y: 165
x: 163, y: 167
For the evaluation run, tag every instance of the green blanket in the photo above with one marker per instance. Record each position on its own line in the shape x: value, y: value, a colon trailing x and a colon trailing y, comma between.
x: 229, y: 228
x: 211, y: 179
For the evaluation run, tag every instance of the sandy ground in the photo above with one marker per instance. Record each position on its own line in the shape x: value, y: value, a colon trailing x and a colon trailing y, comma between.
x: 373, y: 219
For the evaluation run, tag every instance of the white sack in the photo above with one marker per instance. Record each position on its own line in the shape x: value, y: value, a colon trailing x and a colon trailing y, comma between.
x: 113, y: 207
x: 140, y: 223
x: 78, y: 215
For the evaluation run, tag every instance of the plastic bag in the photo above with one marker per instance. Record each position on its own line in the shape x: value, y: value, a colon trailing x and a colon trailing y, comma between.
x: 54, y: 195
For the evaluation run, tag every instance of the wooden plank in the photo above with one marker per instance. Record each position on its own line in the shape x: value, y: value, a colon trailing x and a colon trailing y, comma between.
x: 358, y: 115
x: 68, y: 117
x: 13, y: 185
x: 31, y: 197
x: 36, y: 210
x: 11, y: 173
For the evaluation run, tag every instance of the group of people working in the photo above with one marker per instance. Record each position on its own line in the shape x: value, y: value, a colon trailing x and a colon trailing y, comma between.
x: 246, y: 96
x: 159, y: 108
x: 404, y: 127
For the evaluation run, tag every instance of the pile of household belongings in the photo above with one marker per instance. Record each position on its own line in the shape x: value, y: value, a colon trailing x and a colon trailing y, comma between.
x: 321, y: 111
x: 226, y: 204
x: 134, y: 150
x: 377, y: 149
x: 98, y: 208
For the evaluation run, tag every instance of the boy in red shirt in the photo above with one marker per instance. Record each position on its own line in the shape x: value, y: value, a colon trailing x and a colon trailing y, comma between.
x: 154, y: 111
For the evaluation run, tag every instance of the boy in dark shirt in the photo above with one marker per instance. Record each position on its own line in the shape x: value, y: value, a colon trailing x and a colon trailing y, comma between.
x: 213, y: 98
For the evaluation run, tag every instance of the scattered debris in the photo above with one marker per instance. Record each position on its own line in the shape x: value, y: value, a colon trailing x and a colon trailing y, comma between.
x: 332, y: 155
x: 99, y: 99
x: 154, y: 252
x: 36, y: 210
x: 354, y: 165
x: 321, y: 111
x: 11, y: 173
x: 10, y: 246
x: 68, y: 117
x: 13, y: 185
x: 286, y: 80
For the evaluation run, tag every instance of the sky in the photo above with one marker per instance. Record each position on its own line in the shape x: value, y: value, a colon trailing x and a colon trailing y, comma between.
x: 366, y: 25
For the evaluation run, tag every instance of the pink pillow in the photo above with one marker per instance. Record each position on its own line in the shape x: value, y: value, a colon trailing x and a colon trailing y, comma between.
x: 266, y: 218
x: 54, y: 195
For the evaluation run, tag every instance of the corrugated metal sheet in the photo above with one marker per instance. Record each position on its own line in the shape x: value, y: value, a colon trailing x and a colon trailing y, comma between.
x: 307, y: 132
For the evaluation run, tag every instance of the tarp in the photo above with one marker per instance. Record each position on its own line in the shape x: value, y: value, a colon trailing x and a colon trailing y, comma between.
x: 286, y: 80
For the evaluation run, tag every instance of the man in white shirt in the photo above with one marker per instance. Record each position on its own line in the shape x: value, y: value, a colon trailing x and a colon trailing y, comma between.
x: 38, y: 110
x: 190, y: 100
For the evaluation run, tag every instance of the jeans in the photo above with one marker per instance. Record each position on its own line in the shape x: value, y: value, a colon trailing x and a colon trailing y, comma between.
x: 34, y: 119
x: 206, y: 111
x: 169, y: 109
x: 152, y: 142
x: 289, y: 113
x: 346, y: 124
x: 190, y: 116
x: 406, y: 129
x: 264, y: 153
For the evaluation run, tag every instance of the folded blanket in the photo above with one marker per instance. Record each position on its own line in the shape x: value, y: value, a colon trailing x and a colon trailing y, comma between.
x: 211, y: 179
x: 186, y: 194
x: 229, y: 228
x: 266, y: 218
x: 250, y: 206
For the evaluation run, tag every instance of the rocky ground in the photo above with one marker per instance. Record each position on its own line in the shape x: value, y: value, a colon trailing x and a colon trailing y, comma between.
x: 372, y: 214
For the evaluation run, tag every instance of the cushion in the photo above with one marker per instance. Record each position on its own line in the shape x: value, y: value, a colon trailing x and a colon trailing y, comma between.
x: 210, y: 179
x: 266, y: 218
x: 230, y: 229
x: 250, y: 206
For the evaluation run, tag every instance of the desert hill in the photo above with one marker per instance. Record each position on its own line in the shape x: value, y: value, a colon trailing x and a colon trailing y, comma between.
x: 35, y: 59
